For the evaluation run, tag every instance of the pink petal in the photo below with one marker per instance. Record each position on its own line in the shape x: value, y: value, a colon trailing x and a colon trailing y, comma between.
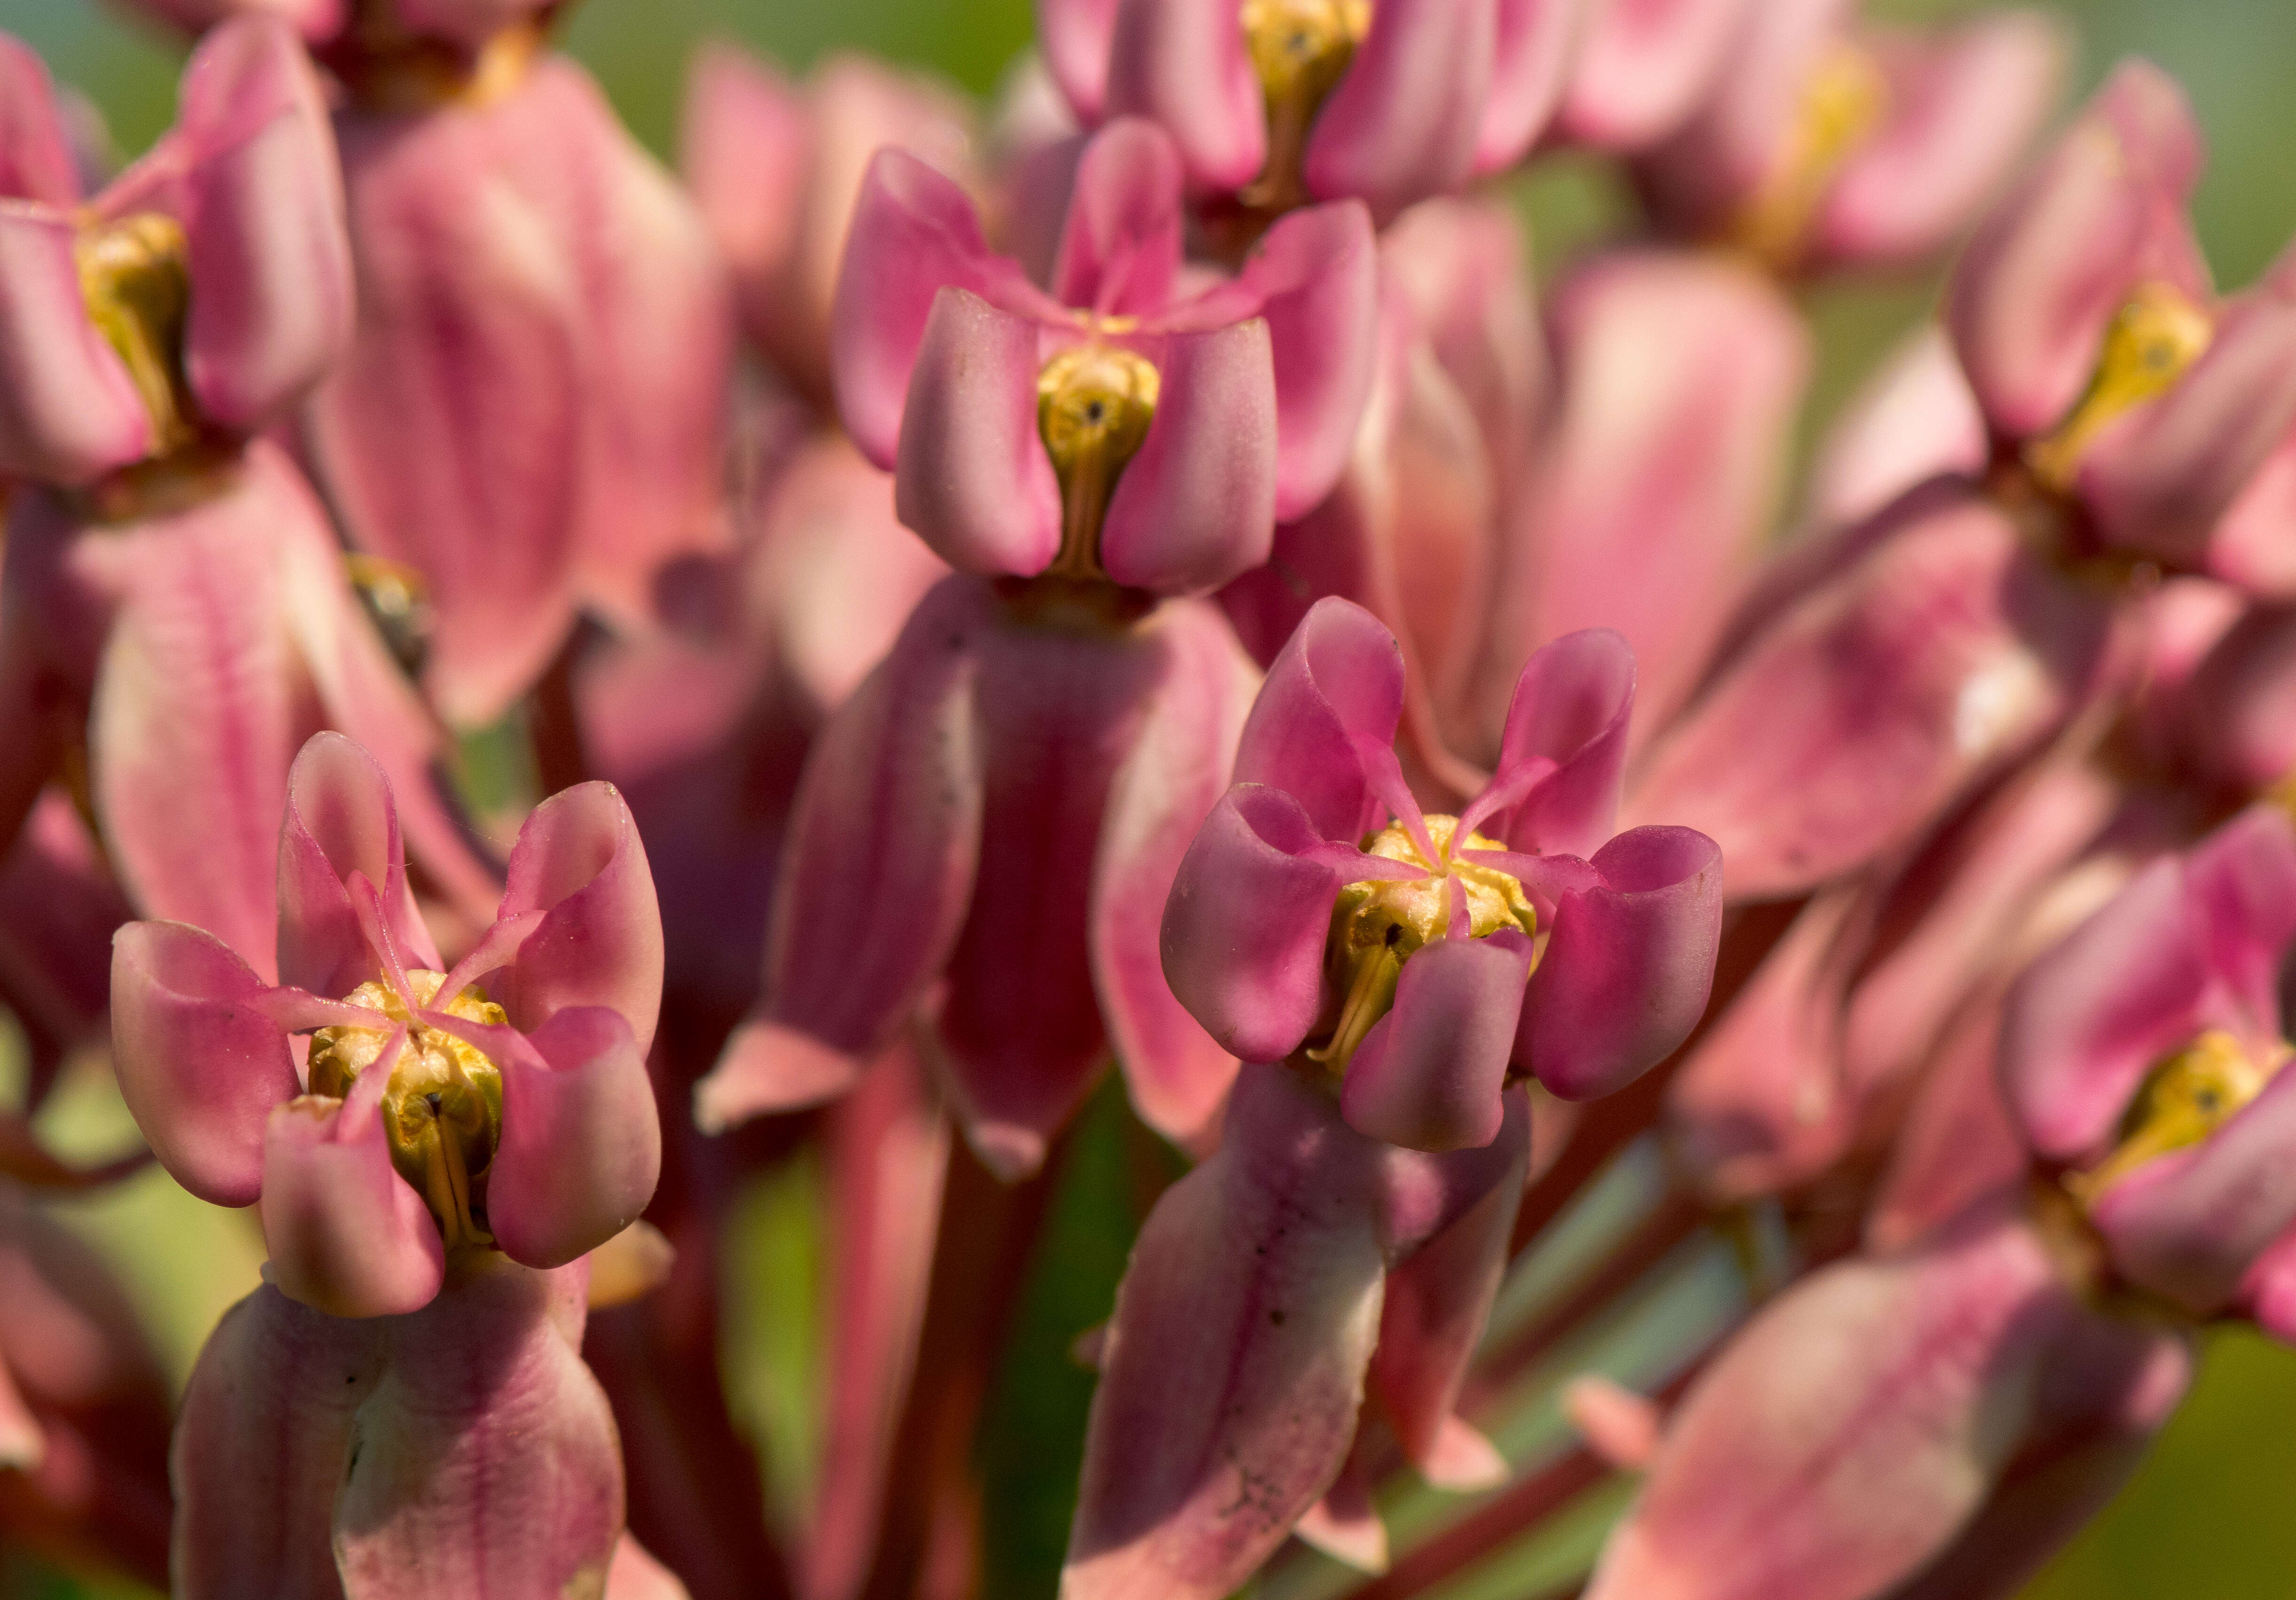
x: 1235, y: 1362
x: 1197, y: 505
x: 879, y: 867
x: 1963, y: 106
x: 1628, y: 966
x: 198, y: 1066
x: 1532, y: 58
x: 1119, y: 250
x: 340, y: 820
x: 745, y: 149
x: 2270, y: 1289
x: 635, y: 1575
x: 35, y: 158
x: 1316, y: 276
x: 1427, y: 1075
x: 1568, y: 717
x: 579, y: 863
x: 1959, y: 1142
x: 347, y: 1236
x: 1182, y: 64
x: 1339, y: 679
x: 1075, y: 36
x: 1345, y: 1523
x: 485, y: 1462
x: 263, y: 216
x: 2030, y: 299
x: 1915, y: 420
x: 68, y: 411
x: 971, y: 475
x: 1406, y: 119
x: 261, y: 1445
x: 1178, y: 1074
x: 2239, y: 708
x: 2251, y: 547
x: 315, y: 20
x: 1643, y: 67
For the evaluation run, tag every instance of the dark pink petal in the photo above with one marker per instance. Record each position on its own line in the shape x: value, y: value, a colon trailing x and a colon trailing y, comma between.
x: 1182, y: 64
x: 263, y: 225
x: 1427, y: 1075
x: 2102, y: 213
x: 2161, y: 479
x: 485, y: 1462
x: 1197, y: 505
x: 1437, y: 1300
x: 1869, y: 704
x: 1234, y: 1362
x: 1962, y: 106
x: 1905, y: 1383
x: 1177, y: 1073
x: 1316, y: 278
x: 1627, y: 967
x: 261, y: 1445
x: 1340, y: 678
x: 1406, y: 118
x: 68, y: 411
x: 971, y: 474
x: 1075, y: 36
x: 200, y: 1066
x: 2241, y: 881
x: 347, y: 1235
x: 2237, y: 715
x: 35, y: 158
x: 340, y: 820
x: 2270, y: 1289
x: 1532, y: 57
x: 1959, y: 1142
x: 1566, y: 732
x: 581, y: 1146
x: 1643, y: 66
x: 915, y: 232
x: 1119, y: 250
x: 878, y: 869
x: 579, y: 863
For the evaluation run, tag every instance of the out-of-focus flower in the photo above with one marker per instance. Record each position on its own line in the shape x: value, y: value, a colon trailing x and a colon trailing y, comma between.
x: 1830, y: 144
x: 433, y: 1123
x: 530, y: 414
x: 1275, y: 103
x: 175, y: 610
x: 1643, y: 67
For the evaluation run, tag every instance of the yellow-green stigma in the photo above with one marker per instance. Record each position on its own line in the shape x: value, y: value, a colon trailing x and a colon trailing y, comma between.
x: 1844, y: 101
x: 442, y: 1111
x: 2185, y: 1098
x: 1093, y: 404
x: 1375, y: 927
x: 2154, y: 338
x: 1300, y: 50
x: 134, y: 279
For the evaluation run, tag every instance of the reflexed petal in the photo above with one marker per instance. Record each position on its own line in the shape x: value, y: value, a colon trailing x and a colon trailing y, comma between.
x: 35, y: 158
x: 1427, y: 1075
x: 2270, y: 1289
x: 1119, y: 250
x: 68, y: 411
x: 347, y: 1236
x: 1316, y: 275
x: 1913, y: 421
x: 1533, y: 57
x: 1643, y: 67
x: 340, y: 820
x: 1196, y: 506
x: 971, y: 476
x: 1568, y: 719
x: 1178, y: 1074
x: 1406, y: 117
x: 579, y: 863
x: 1075, y: 36
x: 1628, y: 966
x: 198, y: 1066
x: 1182, y: 64
x: 1340, y: 678
x: 635, y: 1575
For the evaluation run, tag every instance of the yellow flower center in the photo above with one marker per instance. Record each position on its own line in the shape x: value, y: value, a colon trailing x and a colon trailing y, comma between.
x: 1300, y: 50
x: 1376, y: 925
x: 2186, y: 1097
x: 442, y: 1111
x: 1844, y: 101
x: 1093, y: 404
x: 2152, y: 341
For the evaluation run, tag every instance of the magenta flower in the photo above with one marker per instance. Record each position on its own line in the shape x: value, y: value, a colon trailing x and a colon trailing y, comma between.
x: 1421, y: 960
x: 1132, y: 426
x: 1830, y: 144
x: 2143, y: 1055
x: 174, y: 600
x: 1280, y: 103
x: 422, y: 1130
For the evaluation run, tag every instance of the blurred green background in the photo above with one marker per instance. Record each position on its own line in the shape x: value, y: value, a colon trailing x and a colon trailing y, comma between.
x: 2209, y: 1517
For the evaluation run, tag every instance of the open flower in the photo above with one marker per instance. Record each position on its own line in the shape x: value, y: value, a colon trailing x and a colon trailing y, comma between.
x: 1279, y: 103
x: 1419, y: 960
x: 433, y: 1120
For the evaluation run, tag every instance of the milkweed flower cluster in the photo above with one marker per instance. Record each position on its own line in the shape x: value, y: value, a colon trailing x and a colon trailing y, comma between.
x: 1167, y: 833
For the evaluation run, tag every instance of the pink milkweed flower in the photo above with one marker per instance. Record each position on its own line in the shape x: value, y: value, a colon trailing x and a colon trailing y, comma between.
x: 1830, y: 144
x: 1275, y: 103
x: 1642, y: 68
x: 776, y: 167
x: 2143, y: 1056
x: 175, y: 603
x: 422, y: 1130
x: 1137, y: 425
x: 1418, y: 961
x: 530, y: 415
